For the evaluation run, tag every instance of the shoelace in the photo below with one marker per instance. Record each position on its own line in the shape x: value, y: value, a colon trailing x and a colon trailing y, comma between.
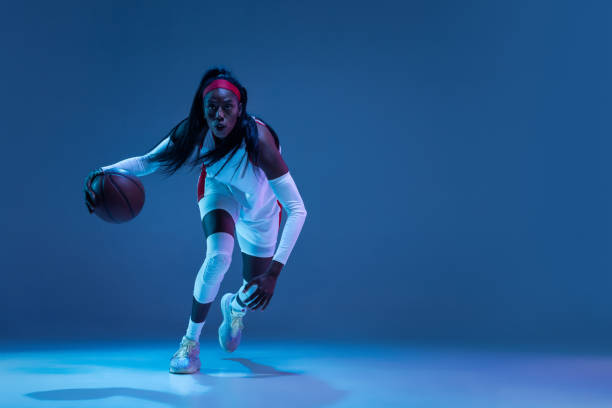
x: 184, y: 350
x: 237, y: 323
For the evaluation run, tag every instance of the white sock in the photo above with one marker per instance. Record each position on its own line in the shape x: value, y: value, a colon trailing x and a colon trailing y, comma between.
x: 194, y: 330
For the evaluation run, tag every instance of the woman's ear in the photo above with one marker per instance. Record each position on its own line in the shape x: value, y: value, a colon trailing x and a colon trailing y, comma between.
x: 240, y: 109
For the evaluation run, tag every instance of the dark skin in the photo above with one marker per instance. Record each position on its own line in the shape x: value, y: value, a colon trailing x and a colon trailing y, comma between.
x: 222, y: 107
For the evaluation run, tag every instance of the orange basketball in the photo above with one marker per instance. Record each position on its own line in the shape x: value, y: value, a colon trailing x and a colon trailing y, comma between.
x: 119, y: 196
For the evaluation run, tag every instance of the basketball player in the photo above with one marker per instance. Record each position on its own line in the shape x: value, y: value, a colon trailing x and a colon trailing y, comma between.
x: 243, y: 185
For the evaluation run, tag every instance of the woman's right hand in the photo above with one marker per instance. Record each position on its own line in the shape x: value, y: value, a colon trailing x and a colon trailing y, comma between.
x: 90, y: 196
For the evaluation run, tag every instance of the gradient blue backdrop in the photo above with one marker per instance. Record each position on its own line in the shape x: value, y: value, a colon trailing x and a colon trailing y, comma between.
x: 453, y: 158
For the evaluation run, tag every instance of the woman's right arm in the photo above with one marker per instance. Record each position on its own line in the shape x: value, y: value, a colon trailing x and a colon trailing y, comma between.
x: 144, y: 165
x: 141, y: 165
x: 138, y: 166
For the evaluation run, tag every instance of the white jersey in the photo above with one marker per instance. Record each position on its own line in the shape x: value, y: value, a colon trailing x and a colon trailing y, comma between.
x: 239, y: 178
x: 248, y: 184
x: 256, y: 199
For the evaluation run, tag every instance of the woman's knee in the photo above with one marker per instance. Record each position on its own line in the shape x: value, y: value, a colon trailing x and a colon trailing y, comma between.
x: 216, y: 265
x: 219, y: 248
x: 210, y: 276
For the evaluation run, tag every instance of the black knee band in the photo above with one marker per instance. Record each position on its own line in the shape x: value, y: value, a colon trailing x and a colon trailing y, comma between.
x: 199, y: 311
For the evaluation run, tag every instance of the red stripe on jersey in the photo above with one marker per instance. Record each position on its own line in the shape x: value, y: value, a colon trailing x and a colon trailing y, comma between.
x: 201, y: 183
x: 280, y: 213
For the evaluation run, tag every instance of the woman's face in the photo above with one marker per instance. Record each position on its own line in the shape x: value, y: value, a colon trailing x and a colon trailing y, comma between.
x: 222, y: 110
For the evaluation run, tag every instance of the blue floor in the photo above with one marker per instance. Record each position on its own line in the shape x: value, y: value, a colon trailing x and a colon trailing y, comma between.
x: 267, y: 374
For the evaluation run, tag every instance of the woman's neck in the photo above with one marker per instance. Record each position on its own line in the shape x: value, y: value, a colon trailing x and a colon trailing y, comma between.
x: 216, y: 139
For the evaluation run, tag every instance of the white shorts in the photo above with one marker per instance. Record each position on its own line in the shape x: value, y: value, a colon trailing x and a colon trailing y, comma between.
x: 256, y: 238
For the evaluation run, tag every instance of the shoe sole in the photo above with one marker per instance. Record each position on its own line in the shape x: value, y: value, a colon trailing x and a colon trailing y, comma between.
x: 226, y: 319
x: 175, y: 371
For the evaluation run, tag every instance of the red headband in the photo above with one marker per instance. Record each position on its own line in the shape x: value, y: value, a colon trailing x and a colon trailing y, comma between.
x: 222, y: 83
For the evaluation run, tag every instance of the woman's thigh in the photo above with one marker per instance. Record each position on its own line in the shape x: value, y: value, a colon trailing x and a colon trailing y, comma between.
x: 219, y: 210
x: 218, y: 221
x: 218, y: 213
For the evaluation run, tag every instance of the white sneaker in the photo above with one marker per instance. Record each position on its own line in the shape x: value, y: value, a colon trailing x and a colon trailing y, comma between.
x: 230, y: 330
x: 186, y: 360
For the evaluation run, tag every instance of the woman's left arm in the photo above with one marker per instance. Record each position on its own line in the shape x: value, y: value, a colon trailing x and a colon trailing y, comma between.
x: 283, y: 186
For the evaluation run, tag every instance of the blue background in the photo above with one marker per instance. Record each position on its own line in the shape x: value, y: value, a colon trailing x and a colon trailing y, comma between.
x: 452, y: 156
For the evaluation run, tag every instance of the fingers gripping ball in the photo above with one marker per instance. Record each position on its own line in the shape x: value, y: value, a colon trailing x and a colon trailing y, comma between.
x: 119, y: 196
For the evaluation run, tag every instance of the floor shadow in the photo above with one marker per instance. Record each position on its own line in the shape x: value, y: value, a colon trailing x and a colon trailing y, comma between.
x: 82, y: 394
x: 279, y: 389
x: 260, y: 370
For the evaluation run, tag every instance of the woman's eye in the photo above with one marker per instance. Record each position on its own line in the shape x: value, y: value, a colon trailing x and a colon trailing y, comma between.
x: 227, y: 107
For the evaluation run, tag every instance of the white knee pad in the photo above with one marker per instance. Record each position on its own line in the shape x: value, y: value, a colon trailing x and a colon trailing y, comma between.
x: 219, y: 248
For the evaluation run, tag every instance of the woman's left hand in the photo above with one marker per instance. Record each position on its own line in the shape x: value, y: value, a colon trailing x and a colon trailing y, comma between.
x: 265, y: 287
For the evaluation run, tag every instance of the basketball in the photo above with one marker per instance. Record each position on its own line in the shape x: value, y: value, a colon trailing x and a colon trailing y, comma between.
x: 119, y: 196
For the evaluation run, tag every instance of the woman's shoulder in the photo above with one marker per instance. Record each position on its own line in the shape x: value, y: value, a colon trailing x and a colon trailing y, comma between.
x: 265, y: 133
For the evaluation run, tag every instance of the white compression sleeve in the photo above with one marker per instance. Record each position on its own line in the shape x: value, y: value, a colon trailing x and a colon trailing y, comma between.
x: 287, y: 193
x: 140, y: 165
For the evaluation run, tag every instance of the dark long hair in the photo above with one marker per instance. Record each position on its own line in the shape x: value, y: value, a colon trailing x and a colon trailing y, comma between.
x: 190, y: 132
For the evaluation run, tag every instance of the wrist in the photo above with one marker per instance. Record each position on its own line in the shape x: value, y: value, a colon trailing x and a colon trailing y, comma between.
x: 275, y: 268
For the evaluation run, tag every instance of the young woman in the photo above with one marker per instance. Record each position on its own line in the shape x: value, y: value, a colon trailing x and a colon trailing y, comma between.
x: 243, y: 185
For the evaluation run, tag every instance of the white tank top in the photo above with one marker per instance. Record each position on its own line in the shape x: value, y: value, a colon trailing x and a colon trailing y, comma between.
x: 247, y: 183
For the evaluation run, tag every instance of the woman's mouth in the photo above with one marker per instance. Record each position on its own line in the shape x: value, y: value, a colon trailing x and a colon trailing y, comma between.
x: 219, y: 127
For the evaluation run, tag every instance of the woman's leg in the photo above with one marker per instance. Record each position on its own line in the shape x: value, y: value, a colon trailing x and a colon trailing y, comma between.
x: 257, y: 242
x: 218, y: 226
x: 218, y: 212
x: 252, y: 266
x: 219, y: 230
x: 232, y: 304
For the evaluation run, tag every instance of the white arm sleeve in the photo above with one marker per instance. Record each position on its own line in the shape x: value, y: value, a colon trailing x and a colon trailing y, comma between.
x: 141, y: 165
x: 287, y: 193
